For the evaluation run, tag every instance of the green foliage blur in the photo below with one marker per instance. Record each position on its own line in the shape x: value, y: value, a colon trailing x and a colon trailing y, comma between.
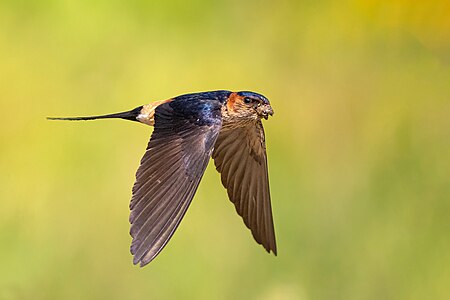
x: 359, y: 147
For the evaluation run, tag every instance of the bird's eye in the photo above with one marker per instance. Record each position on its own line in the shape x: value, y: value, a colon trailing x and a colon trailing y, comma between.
x: 247, y: 100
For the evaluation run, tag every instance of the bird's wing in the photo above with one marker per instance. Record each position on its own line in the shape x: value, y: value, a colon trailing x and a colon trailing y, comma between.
x: 169, y: 173
x: 240, y: 157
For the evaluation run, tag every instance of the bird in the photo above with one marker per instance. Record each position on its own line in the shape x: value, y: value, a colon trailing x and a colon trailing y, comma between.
x: 189, y: 130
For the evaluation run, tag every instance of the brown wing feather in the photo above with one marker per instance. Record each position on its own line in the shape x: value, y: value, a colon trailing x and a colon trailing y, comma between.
x: 166, y: 181
x: 240, y: 157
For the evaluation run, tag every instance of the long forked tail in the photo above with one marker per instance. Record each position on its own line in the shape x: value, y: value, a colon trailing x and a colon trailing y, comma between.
x: 126, y: 115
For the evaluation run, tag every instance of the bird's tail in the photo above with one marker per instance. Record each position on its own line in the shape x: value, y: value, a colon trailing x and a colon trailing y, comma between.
x: 126, y: 115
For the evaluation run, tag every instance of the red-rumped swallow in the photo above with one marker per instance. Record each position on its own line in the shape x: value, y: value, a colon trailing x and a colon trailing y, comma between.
x: 189, y: 129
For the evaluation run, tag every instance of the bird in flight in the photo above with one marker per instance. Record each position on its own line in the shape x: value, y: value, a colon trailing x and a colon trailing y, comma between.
x: 188, y: 130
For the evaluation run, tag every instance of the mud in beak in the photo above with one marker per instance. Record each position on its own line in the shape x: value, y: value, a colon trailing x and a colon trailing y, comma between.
x: 267, y: 111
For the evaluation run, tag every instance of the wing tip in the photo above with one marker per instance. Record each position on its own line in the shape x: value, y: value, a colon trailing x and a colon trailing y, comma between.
x: 140, y: 262
x: 270, y: 248
x: 274, y: 251
x: 143, y: 260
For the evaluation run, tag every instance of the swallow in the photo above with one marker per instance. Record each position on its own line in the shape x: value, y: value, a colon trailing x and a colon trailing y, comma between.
x: 188, y: 130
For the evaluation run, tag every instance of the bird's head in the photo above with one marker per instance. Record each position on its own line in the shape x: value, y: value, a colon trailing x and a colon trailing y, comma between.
x: 250, y: 104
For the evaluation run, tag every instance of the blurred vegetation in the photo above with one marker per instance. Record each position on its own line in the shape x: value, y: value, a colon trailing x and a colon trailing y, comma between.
x: 359, y: 147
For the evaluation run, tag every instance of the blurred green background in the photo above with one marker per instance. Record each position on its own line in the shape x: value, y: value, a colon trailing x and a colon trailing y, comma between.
x: 359, y: 147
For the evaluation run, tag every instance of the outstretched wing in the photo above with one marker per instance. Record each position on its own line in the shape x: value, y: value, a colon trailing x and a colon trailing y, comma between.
x: 170, y: 171
x: 240, y: 157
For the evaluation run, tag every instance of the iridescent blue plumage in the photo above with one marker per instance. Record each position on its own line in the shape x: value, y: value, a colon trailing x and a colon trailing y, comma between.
x: 200, y: 108
x: 221, y: 96
x: 253, y: 96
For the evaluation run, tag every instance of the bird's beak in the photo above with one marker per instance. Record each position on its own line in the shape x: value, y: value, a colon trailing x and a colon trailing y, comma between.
x: 267, y: 111
x: 264, y: 111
